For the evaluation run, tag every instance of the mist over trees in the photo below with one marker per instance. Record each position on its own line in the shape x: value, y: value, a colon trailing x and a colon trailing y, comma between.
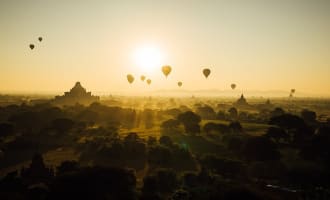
x: 195, y: 150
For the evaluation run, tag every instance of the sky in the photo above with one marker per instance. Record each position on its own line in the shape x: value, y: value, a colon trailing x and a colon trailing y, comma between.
x: 259, y: 45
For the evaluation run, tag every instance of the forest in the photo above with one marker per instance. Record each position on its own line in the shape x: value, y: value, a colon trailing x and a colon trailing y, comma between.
x: 166, y: 148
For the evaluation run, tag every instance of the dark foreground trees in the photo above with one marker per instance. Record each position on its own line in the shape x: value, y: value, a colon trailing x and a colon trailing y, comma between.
x: 190, y: 121
x: 260, y: 148
x: 227, y: 162
x: 95, y: 183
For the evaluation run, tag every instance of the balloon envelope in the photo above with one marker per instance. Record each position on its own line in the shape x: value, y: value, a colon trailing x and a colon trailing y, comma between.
x: 179, y: 83
x: 40, y: 39
x: 233, y: 86
x: 130, y: 78
x: 206, y: 72
x: 166, y: 69
x: 293, y: 90
x: 148, y: 81
x: 142, y: 78
x: 31, y: 46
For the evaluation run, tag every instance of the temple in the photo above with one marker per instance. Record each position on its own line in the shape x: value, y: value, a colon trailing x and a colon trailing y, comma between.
x: 37, y: 172
x: 241, y: 102
x: 77, y: 95
x: 266, y: 106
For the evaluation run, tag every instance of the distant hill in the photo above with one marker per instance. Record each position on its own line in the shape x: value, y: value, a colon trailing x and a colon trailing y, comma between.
x: 231, y: 93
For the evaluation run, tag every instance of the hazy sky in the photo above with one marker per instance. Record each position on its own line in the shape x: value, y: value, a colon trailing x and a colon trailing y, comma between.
x: 257, y: 44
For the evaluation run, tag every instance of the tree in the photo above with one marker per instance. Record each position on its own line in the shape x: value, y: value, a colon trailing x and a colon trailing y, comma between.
x: 95, y: 183
x: 267, y: 170
x: 164, y: 182
x: 225, y: 167
x: 62, y: 125
x: 89, y: 115
x: 182, y: 158
x: 211, y: 126
x: 67, y: 167
x: 152, y: 141
x: 260, y: 148
x: 243, y: 116
x: 206, y: 112
x: 287, y: 121
x: 166, y: 140
x: 6, y: 129
x: 174, y: 112
x: 170, y: 125
x: 234, y: 143
x: 190, y: 179
x: 180, y: 194
x: 190, y: 121
x: 150, y: 189
x: 134, y: 151
x: 221, y: 115
x: 318, y: 147
x: 277, y: 134
x: 28, y: 121
x: 277, y: 112
x: 50, y: 113
x: 233, y: 113
x: 131, y: 138
x: 167, y: 180
x: 295, y: 126
x: 235, y: 127
x: 159, y: 156
x: 308, y: 116
x: 242, y: 193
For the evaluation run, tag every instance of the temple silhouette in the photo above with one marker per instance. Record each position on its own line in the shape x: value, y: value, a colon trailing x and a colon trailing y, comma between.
x: 77, y: 95
x: 241, y: 102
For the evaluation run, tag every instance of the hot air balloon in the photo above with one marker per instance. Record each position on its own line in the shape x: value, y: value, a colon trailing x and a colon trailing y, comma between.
x: 142, y: 78
x: 293, y: 91
x: 130, y: 78
x: 166, y: 70
x: 179, y: 83
x: 233, y: 86
x: 31, y: 46
x: 149, y: 81
x: 206, y: 72
x: 40, y: 39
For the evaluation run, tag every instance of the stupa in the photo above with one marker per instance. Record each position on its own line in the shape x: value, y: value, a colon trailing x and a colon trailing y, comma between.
x: 265, y: 106
x: 241, y: 102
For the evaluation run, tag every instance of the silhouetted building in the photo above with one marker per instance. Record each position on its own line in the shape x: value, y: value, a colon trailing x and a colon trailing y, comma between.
x: 267, y: 105
x: 241, y: 102
x: 37, y: 171
x: 77, y: 94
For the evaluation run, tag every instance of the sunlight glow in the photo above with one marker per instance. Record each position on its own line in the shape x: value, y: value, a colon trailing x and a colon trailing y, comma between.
x: 148, y: 58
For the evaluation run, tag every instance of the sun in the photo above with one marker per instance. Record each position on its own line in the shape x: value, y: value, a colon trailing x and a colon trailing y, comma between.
x: 148, y: 58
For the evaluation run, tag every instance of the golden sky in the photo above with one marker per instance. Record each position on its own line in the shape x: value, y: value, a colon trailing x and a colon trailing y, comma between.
x: 257, y: 44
